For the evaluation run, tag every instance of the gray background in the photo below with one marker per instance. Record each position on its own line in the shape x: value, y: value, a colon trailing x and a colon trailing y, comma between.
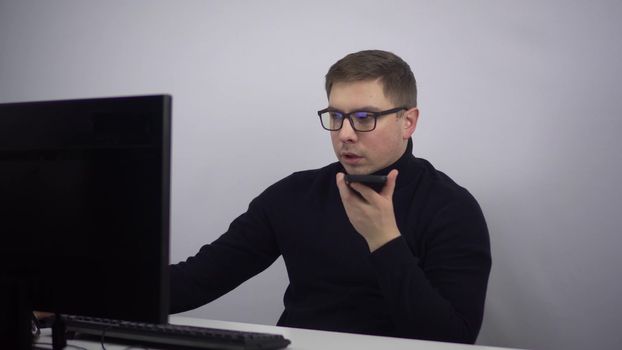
x: 519, y: 102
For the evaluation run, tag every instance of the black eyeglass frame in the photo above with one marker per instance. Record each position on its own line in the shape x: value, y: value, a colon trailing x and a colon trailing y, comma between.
x: 348, y: 116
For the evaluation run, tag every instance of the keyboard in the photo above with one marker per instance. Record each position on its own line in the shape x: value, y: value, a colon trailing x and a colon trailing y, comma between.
x: 171, y: 336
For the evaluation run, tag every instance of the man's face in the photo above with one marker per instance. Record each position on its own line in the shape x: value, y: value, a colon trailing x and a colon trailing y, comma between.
x: 363, y: 153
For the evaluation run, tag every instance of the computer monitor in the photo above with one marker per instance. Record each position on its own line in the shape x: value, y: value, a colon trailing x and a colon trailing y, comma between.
x: 84, y: 201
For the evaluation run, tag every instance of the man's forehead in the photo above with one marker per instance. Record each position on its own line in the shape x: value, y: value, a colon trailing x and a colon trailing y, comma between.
x: 378, y: 82
x: 367, y: 95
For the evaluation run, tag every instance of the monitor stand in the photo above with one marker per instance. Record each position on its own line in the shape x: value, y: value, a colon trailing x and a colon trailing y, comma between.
x: 16, y: 315
x: 16, y: 320
x: 59, y: 333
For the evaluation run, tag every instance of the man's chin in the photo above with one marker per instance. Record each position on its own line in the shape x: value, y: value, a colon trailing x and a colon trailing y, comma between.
x: 356, y: 170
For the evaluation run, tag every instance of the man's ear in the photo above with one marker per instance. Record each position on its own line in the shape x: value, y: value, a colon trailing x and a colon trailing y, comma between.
x: 411, y: 117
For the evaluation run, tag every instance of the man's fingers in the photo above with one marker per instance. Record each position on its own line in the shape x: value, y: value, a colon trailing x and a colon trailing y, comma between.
x: 389, y: 187
x: 344, y: 190
x: 365, y: 191
x: 353, y: 191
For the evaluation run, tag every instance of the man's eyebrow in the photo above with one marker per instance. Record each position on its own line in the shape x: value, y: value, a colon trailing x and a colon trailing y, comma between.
x: 358, y: 109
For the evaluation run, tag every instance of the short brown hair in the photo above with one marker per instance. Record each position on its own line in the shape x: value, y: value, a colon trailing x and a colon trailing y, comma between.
x: 395, y: 74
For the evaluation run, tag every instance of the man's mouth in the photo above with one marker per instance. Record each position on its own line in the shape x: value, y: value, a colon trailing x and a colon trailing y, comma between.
x: 350, y: 157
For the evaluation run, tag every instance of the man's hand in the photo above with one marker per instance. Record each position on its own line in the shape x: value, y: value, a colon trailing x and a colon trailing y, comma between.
x: 41, y: 314
x: 371, y: 213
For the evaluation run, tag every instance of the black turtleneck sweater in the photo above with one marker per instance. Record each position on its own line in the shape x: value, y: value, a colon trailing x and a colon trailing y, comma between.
x: 430, y: 283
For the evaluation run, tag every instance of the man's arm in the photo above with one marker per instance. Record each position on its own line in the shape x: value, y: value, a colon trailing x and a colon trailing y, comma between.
x: 439, y: 296
x: 246, y: 249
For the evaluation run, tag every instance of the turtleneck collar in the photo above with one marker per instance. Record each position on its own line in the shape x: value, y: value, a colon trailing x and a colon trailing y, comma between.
x: 406, y: 172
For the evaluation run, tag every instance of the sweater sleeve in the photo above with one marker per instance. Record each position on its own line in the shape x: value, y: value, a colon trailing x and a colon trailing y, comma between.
x: 439, y: 295
x: 247, y: 248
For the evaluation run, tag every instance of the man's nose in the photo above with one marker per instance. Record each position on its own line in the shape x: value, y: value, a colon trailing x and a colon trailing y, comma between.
x: 347, y: 133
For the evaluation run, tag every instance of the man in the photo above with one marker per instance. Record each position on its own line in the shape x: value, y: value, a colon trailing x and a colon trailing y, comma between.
x: 411, y: 260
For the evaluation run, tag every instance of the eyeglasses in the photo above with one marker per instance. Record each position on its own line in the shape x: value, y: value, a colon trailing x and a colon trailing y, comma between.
x: 332, y: 120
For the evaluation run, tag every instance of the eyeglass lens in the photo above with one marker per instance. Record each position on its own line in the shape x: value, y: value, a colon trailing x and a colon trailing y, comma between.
x: 361, y: 121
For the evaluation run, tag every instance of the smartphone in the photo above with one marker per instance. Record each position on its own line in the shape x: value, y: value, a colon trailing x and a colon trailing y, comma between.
x: 374, y: 181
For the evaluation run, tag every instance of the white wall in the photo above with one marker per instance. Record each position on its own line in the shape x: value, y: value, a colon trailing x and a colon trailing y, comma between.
x: 520, y: 103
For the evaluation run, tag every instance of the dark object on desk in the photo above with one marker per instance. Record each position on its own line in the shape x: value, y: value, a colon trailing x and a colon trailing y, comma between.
x: 45, y: 321
x: 175, y: 336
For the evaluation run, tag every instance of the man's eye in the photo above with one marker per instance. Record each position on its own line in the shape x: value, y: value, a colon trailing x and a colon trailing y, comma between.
x: 362, y: 116
x: 336, y: 115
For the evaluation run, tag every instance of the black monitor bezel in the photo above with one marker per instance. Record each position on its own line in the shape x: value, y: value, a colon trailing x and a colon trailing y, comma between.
x: 15, y: 279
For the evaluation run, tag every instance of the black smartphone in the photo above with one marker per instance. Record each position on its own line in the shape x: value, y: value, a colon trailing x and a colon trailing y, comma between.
x: 374, y: 181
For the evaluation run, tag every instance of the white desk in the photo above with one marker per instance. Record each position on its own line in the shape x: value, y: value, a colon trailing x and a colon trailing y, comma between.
x: 302, y: 339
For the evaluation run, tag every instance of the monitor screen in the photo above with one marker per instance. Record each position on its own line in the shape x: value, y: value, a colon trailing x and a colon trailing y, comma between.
x: 84, y: 197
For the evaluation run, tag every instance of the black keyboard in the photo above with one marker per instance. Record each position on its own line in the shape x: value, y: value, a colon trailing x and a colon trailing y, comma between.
x: 171, y: 336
